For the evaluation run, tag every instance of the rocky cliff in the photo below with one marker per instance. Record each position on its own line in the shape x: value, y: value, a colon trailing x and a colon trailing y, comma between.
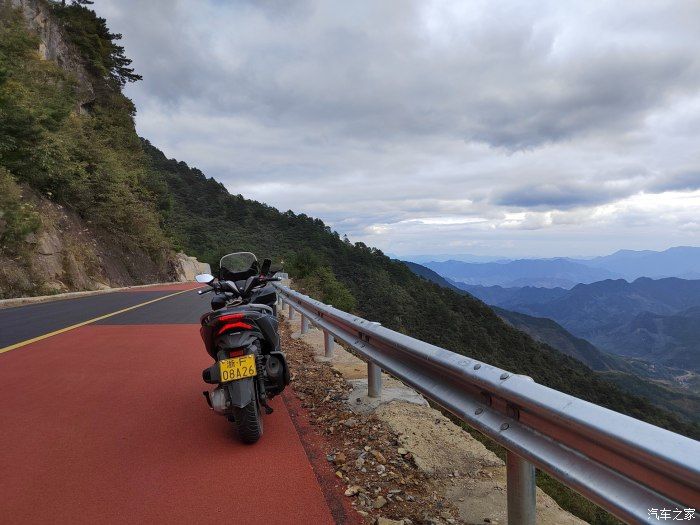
x: 53, y: 46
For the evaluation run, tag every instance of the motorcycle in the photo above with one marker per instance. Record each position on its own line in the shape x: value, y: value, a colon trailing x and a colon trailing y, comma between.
x: 241, y: 335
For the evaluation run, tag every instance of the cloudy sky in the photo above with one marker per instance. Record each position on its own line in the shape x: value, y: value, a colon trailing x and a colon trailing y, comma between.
x: 496, y: 128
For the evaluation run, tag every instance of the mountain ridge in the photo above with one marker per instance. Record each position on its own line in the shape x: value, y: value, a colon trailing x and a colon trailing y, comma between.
x: 655, y: 383
x: 678, y: 261
x: 647, y: 318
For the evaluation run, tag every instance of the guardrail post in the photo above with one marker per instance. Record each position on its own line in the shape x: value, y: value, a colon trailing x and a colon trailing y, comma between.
x: 291, y: 311
x: 521, y: 490
x: 304, y: 324
x: 374, y: 380
x: 329, y: 343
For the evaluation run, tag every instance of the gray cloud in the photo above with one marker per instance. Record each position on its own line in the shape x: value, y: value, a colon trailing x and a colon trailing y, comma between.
x: 378, y: 115
x: 559, y: 196
x: 681, y: 181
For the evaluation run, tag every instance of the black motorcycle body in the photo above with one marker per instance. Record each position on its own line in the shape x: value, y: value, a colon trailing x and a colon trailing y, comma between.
x: 241, y: 336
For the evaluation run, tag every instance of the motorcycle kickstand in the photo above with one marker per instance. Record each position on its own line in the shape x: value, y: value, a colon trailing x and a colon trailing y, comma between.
x: 268, y: 409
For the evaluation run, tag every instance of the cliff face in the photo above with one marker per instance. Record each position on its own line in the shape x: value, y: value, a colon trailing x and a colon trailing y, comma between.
x: 53, y: 46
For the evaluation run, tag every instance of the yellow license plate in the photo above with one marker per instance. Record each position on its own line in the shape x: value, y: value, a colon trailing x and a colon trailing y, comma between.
x: 237, y: 368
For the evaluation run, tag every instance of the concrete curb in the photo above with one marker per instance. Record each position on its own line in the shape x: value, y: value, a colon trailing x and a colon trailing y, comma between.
x: 23, y: 301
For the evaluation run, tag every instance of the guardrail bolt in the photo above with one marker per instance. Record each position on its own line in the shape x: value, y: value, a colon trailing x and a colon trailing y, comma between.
x: 477, y: 366
x: 505, y: 375
x: 478, y: 411
x: 504, y: 426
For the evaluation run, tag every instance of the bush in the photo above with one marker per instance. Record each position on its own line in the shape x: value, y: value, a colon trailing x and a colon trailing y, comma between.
x: 17, y: 219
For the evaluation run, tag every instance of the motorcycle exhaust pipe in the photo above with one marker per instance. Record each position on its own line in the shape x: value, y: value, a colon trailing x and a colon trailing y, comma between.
x: 217, y: 401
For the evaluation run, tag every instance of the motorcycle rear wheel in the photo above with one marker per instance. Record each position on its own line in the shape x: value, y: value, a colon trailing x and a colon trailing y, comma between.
x: 249, y: 422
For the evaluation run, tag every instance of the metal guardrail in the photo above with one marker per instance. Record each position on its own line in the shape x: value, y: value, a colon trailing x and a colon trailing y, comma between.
x: 628, y: 467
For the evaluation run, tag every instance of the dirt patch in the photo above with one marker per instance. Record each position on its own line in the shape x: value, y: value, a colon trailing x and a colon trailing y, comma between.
x: 470, y: 475
x: 379, y: 476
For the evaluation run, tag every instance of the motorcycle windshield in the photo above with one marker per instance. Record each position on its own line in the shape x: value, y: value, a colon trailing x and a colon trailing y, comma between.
x: 239, y: 265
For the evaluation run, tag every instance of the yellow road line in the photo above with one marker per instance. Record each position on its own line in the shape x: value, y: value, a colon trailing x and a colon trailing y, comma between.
x: 78, y: 325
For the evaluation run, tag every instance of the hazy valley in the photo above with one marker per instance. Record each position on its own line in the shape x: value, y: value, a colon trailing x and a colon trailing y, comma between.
x: 644, y: 334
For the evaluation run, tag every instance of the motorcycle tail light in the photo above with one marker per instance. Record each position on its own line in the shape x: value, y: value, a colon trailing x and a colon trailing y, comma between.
x: 230, y: 317
x: 231, y: 326
x: 232, y: 321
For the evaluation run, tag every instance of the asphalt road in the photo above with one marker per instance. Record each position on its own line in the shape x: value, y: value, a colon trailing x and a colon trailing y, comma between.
x: 106, y: 423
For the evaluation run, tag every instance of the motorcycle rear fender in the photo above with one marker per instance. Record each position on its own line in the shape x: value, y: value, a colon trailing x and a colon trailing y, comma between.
x: 241, y: 392
x: 283, y: 358
x: 235, y: 340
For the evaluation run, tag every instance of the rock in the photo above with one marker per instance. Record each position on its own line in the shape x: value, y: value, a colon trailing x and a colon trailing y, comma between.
x: 402, y: 451
x: 339, y: 458
x: 350, y: 423
x: 378, y: 456
x: 381, y: 469
x: 379, y: 502
x: 353, y: 490
x: 359, y: 463
x: 187, y: 267
x: 387, y: 521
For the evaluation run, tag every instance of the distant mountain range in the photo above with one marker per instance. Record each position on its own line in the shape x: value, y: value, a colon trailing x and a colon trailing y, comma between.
x: 464, y: 257
x: 681, y: 261
x: 548, y: 273
x: 541, y: 329
x: 655, y: 381
x: 657, y: 320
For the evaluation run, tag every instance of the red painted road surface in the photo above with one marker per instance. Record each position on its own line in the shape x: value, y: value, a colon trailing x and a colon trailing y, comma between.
x: 107, y: 423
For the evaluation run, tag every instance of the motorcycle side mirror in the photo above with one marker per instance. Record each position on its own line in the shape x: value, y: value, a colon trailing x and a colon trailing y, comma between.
x: 205, y: 278
x: 265, y: 267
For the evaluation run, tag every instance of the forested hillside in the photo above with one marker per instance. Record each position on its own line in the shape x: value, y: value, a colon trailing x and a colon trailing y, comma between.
x: 74, y: 187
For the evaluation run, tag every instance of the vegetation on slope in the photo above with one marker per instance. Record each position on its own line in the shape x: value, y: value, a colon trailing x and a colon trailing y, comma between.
x: 91, y: 163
